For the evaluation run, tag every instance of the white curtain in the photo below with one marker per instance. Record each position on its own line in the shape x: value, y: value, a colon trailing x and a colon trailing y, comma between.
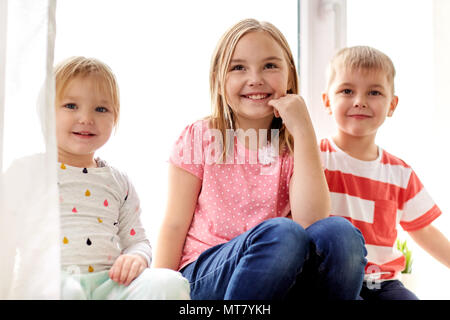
x: 29, y: 214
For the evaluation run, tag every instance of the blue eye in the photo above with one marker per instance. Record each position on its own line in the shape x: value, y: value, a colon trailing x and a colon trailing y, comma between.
x: 375, y: 93
x: 71, y: 106
x: 101, y: 109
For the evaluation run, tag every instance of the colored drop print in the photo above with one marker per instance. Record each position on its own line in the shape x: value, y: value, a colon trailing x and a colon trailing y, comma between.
x: 90, y: 269
x: 87, y: 193
x: 65, y: 240
x: 63, y: 166
x: 132, y: 232
x: 126, y: 197
x: 85, y: 170
x: 74, y: 210
x: 105, y: 203
x: 88, y: 242
x: 99, y: 220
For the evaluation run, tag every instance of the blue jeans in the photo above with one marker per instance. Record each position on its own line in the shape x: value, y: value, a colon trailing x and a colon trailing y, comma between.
x: 389, y: 290
x: 279, y: 259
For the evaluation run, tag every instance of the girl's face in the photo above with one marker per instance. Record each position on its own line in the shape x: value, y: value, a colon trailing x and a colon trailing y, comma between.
x: 258, y: 73
x: 84, y: 121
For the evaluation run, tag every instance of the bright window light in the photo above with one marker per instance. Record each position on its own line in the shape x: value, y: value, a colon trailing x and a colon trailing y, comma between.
x: 406, y: 32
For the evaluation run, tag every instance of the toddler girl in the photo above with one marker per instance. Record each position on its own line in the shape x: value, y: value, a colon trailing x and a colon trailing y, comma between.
x: 105, y: 252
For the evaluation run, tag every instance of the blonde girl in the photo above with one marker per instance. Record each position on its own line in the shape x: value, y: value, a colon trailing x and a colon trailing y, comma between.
x: 226, y: 226
x: 105, y: 253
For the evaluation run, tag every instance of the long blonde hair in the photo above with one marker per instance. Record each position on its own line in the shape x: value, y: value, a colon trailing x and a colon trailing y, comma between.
x: 222, y: 115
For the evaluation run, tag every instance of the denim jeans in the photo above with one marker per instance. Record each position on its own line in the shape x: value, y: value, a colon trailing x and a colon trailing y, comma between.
x: 279, y: 259
x: 389, y: 290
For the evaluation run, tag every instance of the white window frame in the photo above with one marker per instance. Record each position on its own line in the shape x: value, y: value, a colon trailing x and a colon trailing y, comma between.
x: 323, y: 31
x: 3, y: 26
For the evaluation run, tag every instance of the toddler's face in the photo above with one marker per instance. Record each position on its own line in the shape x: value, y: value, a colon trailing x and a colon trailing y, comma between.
x: 84, y: 119
x: 360, y: 101
x: 257, y: 73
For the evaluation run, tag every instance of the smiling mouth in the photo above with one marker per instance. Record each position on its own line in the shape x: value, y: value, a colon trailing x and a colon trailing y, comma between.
x: 359, y: 116
x: 83, y: 134
x: 257, y: 96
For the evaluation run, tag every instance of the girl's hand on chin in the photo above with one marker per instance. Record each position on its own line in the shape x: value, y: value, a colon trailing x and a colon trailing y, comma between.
x: 292, y: 110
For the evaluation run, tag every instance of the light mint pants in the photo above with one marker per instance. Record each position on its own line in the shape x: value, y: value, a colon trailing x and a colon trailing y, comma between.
x: 152, y: 284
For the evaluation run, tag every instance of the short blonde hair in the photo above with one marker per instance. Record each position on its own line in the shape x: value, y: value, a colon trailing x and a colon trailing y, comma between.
x: 78, y: 66
x: 361, y: 58
x: 222, y: 115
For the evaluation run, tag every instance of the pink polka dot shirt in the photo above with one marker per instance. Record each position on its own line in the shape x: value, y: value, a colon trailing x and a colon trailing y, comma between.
x: 236, y: 195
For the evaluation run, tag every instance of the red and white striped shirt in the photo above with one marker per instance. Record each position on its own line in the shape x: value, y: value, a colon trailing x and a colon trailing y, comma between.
x: 376, y: 196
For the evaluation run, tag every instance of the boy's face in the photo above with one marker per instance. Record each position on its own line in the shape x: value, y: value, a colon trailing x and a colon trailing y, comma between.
x: 84, y: 120
x: 360, y: 101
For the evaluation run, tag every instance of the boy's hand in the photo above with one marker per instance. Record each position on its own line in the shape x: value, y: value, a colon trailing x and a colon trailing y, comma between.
x: 126, y: 268
x: 292, y: 110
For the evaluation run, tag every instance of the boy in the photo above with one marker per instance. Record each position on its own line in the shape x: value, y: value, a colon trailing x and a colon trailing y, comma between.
x: 372, y: 188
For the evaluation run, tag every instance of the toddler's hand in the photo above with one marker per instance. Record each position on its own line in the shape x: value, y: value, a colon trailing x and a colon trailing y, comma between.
x: 126, y: 268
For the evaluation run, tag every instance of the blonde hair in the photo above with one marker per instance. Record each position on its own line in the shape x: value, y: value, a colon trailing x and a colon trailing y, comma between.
x: 73, y: 67
x: 361, y: 58
x: 222, y: 115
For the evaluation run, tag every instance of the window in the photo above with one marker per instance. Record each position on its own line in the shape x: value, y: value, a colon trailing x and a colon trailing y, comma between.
x: 415, y: 36
x: 412, y: 35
